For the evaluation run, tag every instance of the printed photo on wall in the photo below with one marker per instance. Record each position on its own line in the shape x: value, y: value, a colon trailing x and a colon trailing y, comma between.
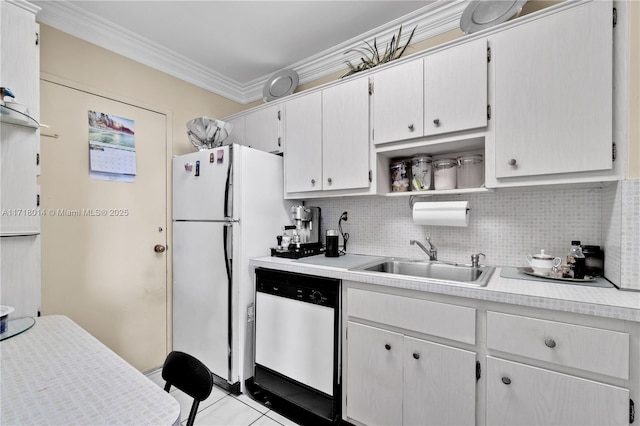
x: 112, y: 147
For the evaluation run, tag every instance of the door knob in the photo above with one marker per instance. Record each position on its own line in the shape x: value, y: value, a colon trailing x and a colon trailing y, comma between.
x: 159, y: 248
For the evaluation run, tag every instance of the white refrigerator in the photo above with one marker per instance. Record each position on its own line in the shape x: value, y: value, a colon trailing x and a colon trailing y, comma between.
x: 228, y: 207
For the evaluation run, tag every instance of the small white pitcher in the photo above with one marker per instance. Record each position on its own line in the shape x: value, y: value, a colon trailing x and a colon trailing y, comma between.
x: 543, y: 263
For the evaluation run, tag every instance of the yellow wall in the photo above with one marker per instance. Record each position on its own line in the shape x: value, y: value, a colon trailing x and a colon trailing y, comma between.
x: 72, y: 59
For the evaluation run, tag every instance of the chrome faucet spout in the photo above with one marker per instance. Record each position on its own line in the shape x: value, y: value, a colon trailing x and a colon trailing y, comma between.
x: 432, y: 251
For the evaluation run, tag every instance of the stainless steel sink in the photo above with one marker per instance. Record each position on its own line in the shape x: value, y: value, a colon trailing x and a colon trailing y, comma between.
x: 477, y: 276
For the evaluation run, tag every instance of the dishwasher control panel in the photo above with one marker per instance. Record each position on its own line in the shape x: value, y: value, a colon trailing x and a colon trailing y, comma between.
x: 305, y: 288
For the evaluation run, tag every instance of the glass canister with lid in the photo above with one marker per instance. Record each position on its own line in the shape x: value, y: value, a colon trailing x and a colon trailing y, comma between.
x: 444, y: 173
x: 470, y: 171
x: 400, y: 171
x: 421, y: 172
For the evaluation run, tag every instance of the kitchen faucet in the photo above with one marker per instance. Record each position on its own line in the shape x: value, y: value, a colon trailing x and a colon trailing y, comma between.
x: 432, y: 251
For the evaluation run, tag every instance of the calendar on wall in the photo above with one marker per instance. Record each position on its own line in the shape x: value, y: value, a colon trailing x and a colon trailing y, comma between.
x: 112, y: 147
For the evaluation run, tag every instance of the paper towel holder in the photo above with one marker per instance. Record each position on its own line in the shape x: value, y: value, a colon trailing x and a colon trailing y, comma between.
x: 412, y: 201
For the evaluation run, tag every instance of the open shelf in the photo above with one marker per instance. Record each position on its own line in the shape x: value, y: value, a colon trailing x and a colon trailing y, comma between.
x: 11, y: 116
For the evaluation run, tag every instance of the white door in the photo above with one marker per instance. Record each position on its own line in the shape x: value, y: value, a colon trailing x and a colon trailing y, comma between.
x: 262, y: 129
x: 553, y: 94
x: 374, y: 375
x: 455, y: 88
x: 201, y: 294
x: 199, y: 184
x: 345, y: 135
x: 439, y: 384
x: 519, y: 394
x: 303, y: 143
x: 102, y: 270
x: 397, y: 102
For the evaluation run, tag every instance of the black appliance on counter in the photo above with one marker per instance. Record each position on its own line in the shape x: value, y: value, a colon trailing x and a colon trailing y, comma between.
x: 297, y: 346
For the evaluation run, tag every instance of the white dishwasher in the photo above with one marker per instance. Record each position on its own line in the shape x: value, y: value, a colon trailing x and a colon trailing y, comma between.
x: 297, y: 363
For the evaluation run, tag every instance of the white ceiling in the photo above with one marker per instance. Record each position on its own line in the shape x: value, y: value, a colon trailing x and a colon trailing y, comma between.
x: 233, y: 47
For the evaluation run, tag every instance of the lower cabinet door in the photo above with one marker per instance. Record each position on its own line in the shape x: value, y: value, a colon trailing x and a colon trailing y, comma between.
x: 439, y: 384
x: 519, y: 394
x: 374, y: 375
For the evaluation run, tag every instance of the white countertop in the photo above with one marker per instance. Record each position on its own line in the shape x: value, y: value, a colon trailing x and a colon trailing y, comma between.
x: 559, y: 296
x: 56, y: 373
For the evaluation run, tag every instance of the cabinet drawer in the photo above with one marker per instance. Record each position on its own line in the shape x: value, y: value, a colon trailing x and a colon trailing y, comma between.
x: 586, y: 348
x: 518, y: 394
x: 437, y: 319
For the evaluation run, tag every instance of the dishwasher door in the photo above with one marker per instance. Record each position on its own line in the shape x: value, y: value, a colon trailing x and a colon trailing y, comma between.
x: 296, y: 339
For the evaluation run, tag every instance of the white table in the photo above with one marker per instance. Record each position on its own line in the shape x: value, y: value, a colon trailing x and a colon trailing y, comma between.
x: 58, y: 374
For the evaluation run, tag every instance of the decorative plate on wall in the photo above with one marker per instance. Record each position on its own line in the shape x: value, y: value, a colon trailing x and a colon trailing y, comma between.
x: 280, y: 84
x: 481, y: 14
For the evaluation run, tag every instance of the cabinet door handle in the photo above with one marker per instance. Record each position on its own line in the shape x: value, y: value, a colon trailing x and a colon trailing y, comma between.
x: 279, y: 141
x: 506, y: 380
x: 411, y: 127
x: 387, y: 347
x: 313, y: 181
x: 512, y: 162
x: 416, y: 355
x: 549, y: 342
x: 436, y: 122
x: 329, y: 180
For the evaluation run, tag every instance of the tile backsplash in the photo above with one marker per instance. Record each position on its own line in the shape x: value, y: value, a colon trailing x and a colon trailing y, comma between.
x: 505, y: 225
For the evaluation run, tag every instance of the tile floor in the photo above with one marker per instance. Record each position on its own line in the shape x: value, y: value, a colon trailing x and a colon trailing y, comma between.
x: 223, y: 408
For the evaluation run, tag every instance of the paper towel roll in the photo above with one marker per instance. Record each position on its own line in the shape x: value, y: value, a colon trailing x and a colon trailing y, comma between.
x: 441, y: 213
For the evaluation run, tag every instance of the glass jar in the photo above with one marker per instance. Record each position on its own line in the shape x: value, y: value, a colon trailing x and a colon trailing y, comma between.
x: 421, y: 172
x: 399, y: 171
x: 470, y: 171
x: 444, y: 173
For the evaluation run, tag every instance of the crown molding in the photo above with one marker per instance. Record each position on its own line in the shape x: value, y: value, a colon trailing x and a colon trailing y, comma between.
x: 24, y: 4
x: 436, y: 18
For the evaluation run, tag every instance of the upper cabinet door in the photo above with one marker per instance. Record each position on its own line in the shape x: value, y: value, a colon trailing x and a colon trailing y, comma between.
x: 455, y: 88
x: 237, y: 133
x: 345, y: 130
x: 397, y: 103
x: 559, y: 118
x: 262, y: 129
x: 303, y: 143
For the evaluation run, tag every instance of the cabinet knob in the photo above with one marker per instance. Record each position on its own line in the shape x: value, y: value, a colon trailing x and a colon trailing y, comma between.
x: 411, y: 127
x: 387, y: 347
x: 416, y: 355
x: 313, y: 181
x: 159, y: 248
x: 436, y: 122
x: 512, y: 162
x: 506, y: 380
x: 549, y: 342
x: 329, y: 180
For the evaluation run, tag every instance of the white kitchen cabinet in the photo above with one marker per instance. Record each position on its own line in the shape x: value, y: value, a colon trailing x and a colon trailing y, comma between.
x: 303, y: 144
x: 518, y: 394
x: 455, y: 88
x: 345, y: 135
x: 262, y: 129
x: 395, y: 378
x: 238, y: 132
x: 553, y: 93
x: 398, y: 380
x: 19, y: 161
x: 397, y: 103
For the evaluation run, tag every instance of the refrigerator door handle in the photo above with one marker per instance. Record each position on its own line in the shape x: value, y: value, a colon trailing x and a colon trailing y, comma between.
x: 228, y: 262
x: 227, y: 188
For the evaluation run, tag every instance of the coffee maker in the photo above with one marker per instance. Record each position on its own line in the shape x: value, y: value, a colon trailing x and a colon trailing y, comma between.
x: 305, y: 234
